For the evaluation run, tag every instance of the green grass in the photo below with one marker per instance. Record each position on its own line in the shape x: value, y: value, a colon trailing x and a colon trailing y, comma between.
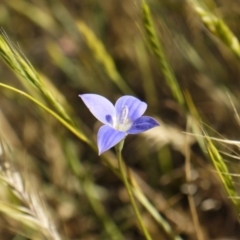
x: 180, y: 57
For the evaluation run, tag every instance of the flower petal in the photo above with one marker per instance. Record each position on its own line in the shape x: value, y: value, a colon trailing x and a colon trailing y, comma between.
x: 142, y: 124
x: 136, y: 108
x: 108, y: 137
x: 100, y: 107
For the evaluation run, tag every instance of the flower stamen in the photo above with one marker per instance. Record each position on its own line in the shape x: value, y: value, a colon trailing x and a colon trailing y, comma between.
x: 124, y: 115
x: 123, y: 123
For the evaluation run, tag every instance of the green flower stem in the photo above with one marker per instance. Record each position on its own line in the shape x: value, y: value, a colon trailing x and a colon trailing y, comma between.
x: 129, y: 190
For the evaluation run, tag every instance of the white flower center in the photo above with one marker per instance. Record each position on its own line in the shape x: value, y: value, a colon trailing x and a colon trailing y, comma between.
x: 123, y: 123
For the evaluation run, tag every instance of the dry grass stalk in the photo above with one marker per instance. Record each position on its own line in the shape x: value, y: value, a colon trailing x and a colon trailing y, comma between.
x: 33, y: 212
x: 103, y: 57
x: 157, y: 49
x: 217, y: 27
x: 23, y: 69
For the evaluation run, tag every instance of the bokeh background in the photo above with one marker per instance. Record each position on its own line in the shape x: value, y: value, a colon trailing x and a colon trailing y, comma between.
x: 179, y: 56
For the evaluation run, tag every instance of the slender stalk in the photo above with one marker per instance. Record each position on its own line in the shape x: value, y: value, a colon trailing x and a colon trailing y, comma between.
x: 129, y: 190
x: 192, y: 206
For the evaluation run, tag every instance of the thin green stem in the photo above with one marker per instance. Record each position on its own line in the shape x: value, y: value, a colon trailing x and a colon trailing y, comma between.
x: 129, y: 190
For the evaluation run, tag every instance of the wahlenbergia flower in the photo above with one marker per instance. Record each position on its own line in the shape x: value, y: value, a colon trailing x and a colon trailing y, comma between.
x: 122, y: 119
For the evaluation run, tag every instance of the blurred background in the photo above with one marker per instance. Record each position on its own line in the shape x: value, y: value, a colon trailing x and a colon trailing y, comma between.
x: 182, y: 58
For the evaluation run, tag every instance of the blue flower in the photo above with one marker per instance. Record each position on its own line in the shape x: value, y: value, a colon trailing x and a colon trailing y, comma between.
x: 122, y: 119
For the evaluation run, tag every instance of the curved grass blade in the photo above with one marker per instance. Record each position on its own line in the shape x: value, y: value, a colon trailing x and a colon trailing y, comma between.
x: 77, y: 133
